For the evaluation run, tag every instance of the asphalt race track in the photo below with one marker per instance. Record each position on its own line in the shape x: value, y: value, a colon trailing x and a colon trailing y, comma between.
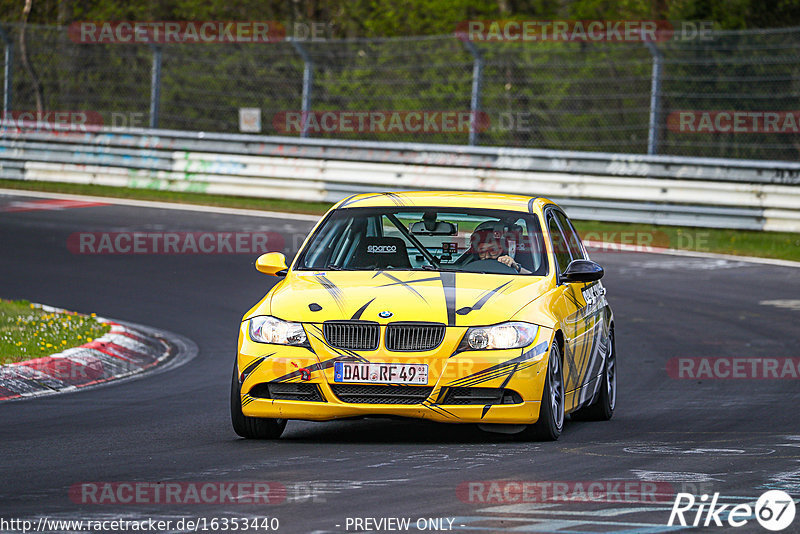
x: 737, y: 438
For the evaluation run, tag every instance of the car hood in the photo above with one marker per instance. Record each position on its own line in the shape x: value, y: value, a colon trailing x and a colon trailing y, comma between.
x: 456, y: 299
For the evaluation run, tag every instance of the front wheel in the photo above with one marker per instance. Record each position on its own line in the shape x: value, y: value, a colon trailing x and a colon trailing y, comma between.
x: 251, y: 427
x: 551, y: 412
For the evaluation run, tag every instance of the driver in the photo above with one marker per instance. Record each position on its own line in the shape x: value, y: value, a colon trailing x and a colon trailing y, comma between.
x: 488, y: 242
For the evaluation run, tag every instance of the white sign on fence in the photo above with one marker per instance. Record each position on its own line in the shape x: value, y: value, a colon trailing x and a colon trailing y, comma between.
x: 250, y: 120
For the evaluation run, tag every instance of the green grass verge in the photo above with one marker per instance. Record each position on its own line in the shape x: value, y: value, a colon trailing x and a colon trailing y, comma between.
x: 27, y: 332
x: 778, y: 245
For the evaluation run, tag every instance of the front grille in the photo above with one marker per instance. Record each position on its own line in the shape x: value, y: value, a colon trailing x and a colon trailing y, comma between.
x: 287, y: 391
x: 370, y: 394
x: 481, y: 396
x: 407, y: 337
x: 351, y: 335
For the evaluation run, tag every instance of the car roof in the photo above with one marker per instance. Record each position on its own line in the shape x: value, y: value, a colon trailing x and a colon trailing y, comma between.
x: 446, y: 199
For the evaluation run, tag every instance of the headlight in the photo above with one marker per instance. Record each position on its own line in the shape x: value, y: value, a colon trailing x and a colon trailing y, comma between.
x: 266, y: 329
x: 511, y: 335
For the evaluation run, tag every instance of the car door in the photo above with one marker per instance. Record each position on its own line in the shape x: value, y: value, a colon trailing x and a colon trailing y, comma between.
x: 578, y: 323
x: 589, y: 320
x: 567, y: 306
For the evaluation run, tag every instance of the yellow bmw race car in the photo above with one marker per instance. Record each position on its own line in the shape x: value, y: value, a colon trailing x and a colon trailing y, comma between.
x: 449, y: 306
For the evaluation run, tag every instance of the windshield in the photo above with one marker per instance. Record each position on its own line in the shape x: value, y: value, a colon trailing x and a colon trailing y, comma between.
x: 396, y: 238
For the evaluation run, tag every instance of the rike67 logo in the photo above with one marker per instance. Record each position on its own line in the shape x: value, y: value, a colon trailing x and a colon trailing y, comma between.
x: 774, y: 511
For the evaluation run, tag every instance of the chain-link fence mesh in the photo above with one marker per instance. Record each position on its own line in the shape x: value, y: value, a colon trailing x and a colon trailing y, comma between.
x: 552, y: 95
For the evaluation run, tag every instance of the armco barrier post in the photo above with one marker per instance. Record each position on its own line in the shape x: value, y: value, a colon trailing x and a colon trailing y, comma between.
x: 655, y: 100
x: 475, y: 99
x: 308, y: 79
x: 155, y: 87
x: 7, y: 71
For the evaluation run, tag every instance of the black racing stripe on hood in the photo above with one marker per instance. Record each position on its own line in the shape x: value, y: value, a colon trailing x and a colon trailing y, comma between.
x: 331, y: 288
x: 357, y: 315
x: 416, y: 280
x: 404, y: 284
x: 449, y: 288
x: 481, y: 301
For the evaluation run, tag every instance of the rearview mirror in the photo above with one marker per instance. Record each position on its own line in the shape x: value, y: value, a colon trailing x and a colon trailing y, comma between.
x: 436, y: 228
x: 272, y: 263
x: 583, y: 271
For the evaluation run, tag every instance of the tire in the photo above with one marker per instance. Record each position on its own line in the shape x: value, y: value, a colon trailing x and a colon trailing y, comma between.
x: 251, y: 427
x: 602, y: 408
x: 551, y: 411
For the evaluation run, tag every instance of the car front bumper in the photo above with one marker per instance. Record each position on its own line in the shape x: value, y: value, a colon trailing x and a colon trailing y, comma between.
x: 521, y: 371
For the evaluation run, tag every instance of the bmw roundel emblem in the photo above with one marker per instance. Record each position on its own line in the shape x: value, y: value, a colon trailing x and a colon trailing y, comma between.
x: 385, y: 314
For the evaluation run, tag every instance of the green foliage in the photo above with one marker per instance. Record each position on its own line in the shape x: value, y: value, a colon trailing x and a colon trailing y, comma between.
x: 387, y: 18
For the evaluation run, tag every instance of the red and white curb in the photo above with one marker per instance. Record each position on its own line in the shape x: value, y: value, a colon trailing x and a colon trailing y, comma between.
x: 122, y: 352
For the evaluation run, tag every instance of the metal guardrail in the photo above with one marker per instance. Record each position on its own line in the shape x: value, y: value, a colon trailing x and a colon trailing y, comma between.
x: 704, y: 192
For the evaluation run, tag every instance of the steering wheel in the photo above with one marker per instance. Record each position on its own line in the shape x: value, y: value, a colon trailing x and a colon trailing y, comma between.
x: 488, y: 266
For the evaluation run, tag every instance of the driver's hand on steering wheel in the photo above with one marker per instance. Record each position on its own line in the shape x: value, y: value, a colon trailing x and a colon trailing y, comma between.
x: 508, y: 260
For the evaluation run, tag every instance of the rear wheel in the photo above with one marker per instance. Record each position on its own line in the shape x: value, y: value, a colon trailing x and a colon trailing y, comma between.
x: 251, y: 427
x: 551, y: 412
x: 602, y: 409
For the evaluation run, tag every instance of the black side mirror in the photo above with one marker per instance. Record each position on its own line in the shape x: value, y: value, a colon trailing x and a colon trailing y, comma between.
x: 583, y: 271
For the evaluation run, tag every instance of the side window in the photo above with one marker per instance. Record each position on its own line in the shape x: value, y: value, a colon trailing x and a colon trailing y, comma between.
x: 559, y: 244
x: 573, y: 239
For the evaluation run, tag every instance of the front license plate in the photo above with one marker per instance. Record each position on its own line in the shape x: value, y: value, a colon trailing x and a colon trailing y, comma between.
x: 380, y: 373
